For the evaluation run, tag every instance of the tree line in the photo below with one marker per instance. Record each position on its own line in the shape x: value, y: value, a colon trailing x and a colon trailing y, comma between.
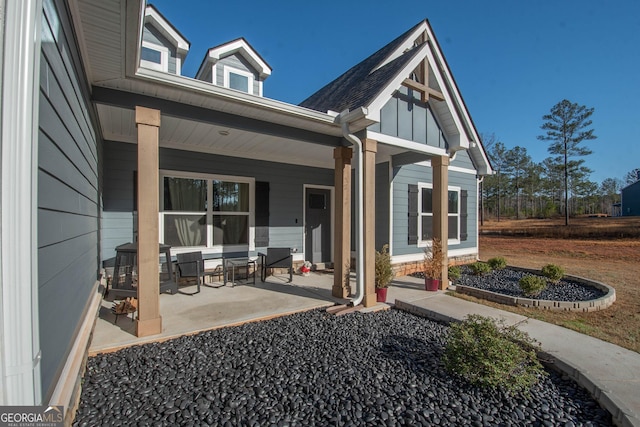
x: 560, y: 185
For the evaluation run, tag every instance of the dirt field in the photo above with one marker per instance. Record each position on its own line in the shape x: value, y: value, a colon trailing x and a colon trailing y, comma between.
x: 615, y: 262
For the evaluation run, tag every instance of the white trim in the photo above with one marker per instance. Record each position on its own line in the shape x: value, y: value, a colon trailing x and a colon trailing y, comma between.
x: 20, y: 342
x: 238, y: 46
x: 153, y: 17
x: 391, y: 206
x: 227, y: 70
x: 304, y: 216
x: 164, y: 57
x: 424, y: 243
x: 210, y: 247
x: 452, y: 253
x: 383, y: 96
x: 204, y: 88
x: 416, y: 147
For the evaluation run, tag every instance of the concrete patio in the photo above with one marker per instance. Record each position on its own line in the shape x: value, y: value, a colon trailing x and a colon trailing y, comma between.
x: 229, y: 305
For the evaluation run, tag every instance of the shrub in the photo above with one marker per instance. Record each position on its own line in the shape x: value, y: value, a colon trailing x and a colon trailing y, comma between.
x: 553, y: 272
x: 532, y: 285
x: 479, y: 268
x: 497, y: 263
x: 384, y: 271
x: 454, y: 273
x: 487, y: 353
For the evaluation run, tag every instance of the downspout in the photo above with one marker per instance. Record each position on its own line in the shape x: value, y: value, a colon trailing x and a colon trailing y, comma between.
x: 344, y: 118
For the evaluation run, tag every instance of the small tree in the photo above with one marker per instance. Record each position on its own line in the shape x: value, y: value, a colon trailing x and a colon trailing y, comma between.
x: 566, y: 127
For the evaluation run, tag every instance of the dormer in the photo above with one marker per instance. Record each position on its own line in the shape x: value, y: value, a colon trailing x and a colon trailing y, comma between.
x: 235, y: 65
x: 163, y: 47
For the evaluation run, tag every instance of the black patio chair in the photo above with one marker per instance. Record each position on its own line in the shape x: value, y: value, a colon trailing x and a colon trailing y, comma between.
x: 276, y: 258
x: 191, y: 264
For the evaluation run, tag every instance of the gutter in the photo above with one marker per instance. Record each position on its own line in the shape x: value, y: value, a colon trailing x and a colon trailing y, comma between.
x: 344, y: 119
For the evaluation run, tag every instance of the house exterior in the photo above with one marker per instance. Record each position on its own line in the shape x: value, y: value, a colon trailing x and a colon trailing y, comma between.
x: 104, y: 142
x: 630, y: 202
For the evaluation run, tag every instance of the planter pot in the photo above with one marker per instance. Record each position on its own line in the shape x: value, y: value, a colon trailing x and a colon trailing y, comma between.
x: 431, y: 284
x: 381, y: 294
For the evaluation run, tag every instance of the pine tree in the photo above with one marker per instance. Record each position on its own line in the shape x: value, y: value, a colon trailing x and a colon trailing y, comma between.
x: 566, y: 127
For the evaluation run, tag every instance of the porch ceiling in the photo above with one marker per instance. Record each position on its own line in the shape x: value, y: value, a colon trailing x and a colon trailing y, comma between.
x: 118, y: 124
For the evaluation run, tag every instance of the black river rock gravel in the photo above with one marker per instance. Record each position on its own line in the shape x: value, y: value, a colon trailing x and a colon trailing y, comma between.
x: 505, y: 282
x: 313, y: 369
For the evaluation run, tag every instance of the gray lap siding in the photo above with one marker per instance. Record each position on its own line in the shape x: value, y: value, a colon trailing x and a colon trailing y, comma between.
x: 412, y: 175
x: 68, y: 194
x: 286, y: 190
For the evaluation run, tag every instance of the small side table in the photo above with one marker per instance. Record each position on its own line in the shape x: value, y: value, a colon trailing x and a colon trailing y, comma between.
x: 233, y: 264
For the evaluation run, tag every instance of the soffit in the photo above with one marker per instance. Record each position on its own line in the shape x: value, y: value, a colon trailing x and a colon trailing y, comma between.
x: 118, y: 124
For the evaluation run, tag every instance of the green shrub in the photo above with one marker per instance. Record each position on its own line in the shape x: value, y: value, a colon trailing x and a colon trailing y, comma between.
x: 479, y: 268
x: 497, y: 263
x: 487, y: 353
x: 532, y: 285
x: 454, y: 273
x: 553, y: 272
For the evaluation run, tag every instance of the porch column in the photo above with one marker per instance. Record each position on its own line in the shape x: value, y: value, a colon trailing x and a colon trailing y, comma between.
x: 440, y: 167
x: 369, y: 148
x: 149, y: 321
x: 342, y: 229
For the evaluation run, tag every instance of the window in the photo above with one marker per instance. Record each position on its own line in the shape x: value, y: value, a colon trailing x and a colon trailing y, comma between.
x: 206, y: 211
x: 154, y: 56
x: 425, y: 214
x: 238, y: 80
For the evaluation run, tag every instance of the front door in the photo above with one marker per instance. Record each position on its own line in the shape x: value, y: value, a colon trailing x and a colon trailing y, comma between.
x: 317, y: 225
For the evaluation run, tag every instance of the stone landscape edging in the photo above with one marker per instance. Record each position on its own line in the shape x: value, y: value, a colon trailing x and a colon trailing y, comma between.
x: 585, y: 306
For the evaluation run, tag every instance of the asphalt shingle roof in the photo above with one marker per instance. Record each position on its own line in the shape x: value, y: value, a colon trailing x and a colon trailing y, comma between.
x: 359, y: 85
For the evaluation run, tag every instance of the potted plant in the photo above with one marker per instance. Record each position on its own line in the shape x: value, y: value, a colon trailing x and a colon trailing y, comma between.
x: 433, y: 263
x: 384, y: 273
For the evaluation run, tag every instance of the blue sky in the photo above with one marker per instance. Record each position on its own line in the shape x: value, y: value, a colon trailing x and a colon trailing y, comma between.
x: 512, y: 60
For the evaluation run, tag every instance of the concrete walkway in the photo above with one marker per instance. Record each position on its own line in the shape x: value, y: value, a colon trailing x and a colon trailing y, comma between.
x: 609, y: 372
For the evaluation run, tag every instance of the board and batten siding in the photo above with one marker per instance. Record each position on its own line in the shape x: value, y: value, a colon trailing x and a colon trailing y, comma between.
x: 413, y: 174
x: 405, y: 116
x: 68, y: 194
x: 286, y: 190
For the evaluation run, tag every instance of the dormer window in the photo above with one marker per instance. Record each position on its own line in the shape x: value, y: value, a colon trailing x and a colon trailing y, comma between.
x: 154, y: 56
x: 238, y: 80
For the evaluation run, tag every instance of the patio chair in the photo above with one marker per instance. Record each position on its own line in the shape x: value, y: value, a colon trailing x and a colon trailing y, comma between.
x: 276, y: 258
x: 191, y: 264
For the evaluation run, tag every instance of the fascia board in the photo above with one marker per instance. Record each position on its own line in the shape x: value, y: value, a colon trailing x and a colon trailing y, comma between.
x: 467, y: 117
x: 406, y: 45
x: 208, y: 89
x: 166, y: 29
x: 378, y: 102
x: 245, y: 50
x: 463, y: 142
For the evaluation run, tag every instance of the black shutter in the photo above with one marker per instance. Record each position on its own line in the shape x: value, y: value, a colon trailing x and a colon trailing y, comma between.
x: 463, y: 215
x: 262, y: 214
x: 413, y: 214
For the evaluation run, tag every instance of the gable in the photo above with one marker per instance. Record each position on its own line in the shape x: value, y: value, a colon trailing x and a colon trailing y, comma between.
x: 415, y: 61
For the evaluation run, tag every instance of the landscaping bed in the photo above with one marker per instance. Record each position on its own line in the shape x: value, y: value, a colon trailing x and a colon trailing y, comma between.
x: 569, y: 293
x: 314, y: 369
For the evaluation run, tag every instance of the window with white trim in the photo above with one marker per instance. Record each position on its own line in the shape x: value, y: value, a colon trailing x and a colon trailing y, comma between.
x: 207, y: 211
x: 425, y: 214
x: 238, y: 79
x: 154, y: 56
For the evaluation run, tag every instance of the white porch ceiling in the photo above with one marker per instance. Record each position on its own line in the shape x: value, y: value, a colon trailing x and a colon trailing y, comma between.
x: 118, y: 124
